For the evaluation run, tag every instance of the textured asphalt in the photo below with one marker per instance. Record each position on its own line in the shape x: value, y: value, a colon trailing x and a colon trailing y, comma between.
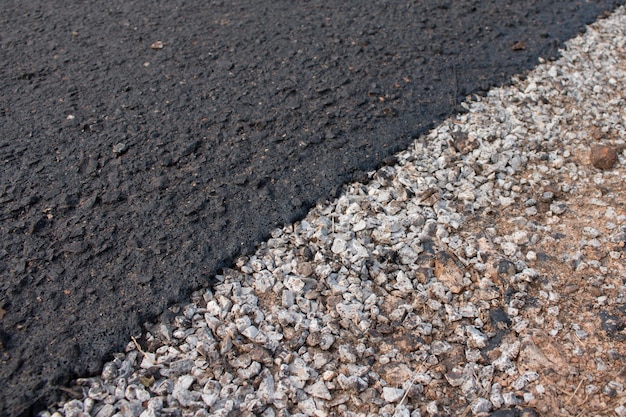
x: 145, y: 144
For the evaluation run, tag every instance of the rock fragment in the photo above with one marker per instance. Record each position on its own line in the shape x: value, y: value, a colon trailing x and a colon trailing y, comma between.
x: 602, y: 156
x: 319, y: 390
x: 392, y: 395
x: 449, y: 272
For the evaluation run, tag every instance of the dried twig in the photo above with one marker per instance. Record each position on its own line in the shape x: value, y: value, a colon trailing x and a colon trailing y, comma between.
x: 575, y: 391
x: 146, y: 355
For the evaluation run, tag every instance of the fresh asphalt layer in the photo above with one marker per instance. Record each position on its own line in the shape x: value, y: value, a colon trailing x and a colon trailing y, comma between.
x: 145, y: 144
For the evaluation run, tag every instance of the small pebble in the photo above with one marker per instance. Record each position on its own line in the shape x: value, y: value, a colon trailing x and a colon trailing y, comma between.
x: 120, y: 148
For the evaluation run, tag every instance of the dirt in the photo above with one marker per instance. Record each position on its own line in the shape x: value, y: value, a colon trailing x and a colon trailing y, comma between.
x: 133, y: 170
x: 576, y: 316
x: 578, y: 371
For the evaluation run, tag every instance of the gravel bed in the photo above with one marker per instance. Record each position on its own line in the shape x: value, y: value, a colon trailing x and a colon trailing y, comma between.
x: 481, y: 274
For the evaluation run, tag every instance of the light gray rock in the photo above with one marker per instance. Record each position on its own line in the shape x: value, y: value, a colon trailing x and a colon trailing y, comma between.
x: 318, y: 390
x: 181, y: 390
x: 73, y: 408
x: 481, y: 406
x: 495, y: 395
x: 521, y: 382
x: 107, y: 410
x: 339, y: 245
x: 476, y: 338
x: 392, y: 395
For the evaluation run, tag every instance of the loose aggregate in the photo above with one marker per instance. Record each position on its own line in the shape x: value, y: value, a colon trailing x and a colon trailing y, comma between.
x: 481, y: 274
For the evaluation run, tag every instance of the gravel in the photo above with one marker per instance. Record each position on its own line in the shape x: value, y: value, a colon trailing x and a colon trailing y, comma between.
x: 424, y: 291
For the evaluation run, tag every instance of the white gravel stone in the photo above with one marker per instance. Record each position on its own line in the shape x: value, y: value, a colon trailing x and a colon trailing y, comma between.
x: 107, y: 410
x: 392, y: 395
x: 319, y: 390
x: 620, y: 411
x: 476, y: 338
x: 510, y: 399
x: 339, y: 245
x: 480, y: 406
x: 181, y: 390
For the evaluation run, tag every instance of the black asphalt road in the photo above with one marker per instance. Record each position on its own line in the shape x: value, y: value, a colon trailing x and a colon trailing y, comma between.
x: 131, y: 173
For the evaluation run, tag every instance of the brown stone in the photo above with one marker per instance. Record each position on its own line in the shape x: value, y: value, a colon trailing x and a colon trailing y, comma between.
x: 390, y: 304
x: 449, y: 271
x: 305, y: 269
x: 261, y: 355
x: 313, y: 339
x: 395, y: 374
x: 602, y: 156
x: 463, y: 143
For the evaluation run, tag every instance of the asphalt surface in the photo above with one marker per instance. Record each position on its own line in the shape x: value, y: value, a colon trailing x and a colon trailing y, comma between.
x: 132, y: 171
